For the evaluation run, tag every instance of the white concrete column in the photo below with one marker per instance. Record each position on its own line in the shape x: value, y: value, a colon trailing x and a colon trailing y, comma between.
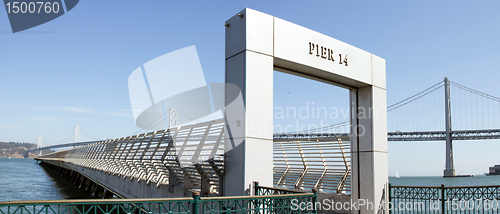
x: 369, y: 147
x: 249, y: 128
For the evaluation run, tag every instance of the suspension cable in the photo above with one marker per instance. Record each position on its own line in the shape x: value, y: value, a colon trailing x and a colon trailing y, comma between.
x: 476, y: 92
x: 414, y: 95
x: 392, y: 107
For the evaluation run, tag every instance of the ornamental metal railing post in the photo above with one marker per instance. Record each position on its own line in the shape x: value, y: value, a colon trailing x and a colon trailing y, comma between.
x: 443, y: 209
x: 390, y: 200
x: 256, y: 187
x: 315, y: 200
x: 257, y: 204
x: 196, y: 203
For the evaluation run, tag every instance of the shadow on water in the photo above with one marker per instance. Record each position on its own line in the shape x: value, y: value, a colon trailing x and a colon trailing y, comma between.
x: 67, y: 189
x: 24, y: 179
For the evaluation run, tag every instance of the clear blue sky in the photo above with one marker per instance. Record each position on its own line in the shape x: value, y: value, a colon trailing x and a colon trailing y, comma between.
x: 74, y: 69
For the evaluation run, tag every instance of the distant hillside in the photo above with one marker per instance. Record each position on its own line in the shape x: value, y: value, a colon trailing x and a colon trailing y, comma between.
x: 15, y: 150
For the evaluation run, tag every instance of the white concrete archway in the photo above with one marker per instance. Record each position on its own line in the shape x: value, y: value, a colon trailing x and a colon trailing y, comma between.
x: 257, y: 44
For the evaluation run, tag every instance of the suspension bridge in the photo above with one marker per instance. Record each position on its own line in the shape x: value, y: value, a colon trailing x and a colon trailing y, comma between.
x: 193, y: 156
x: 73, y: 134
x: 428, y: 116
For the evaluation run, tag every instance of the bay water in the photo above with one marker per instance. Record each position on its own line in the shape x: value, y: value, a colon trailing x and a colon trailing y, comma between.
x: 25, y: 179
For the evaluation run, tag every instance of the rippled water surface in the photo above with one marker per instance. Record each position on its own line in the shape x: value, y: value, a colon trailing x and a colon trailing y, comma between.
x: 24, y: 179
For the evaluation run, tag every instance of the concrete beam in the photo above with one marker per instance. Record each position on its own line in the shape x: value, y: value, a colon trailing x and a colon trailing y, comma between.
x: 124, y: 188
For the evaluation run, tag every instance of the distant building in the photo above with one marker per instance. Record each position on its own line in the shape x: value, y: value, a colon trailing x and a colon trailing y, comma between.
x: 494, y: 170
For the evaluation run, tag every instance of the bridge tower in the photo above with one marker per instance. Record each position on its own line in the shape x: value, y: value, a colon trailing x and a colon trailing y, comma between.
x: 450, y: 170
x: 76, y: 138
x: 38, y: 146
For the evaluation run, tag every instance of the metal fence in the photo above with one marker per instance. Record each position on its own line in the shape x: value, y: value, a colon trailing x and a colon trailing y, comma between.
x: 188, y: 155
x: 320, y: 164
x: 192, y: 156
x: 444, y: 200
x: 260, y: 190
x: 276, y: 203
